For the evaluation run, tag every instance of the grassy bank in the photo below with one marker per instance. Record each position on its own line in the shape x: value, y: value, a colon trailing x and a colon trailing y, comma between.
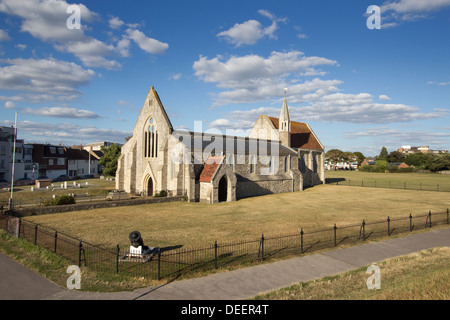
x: 53, y: 267
x: 419, y: 276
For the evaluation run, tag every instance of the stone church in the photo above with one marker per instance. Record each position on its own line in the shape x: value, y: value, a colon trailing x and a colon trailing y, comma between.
x: 279, y: 155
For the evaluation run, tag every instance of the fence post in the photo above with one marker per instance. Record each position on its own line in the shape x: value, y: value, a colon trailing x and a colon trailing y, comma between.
x: 80, y: 245
x: 56, y: 239
x: 20, y: 224
x: 301, y: 240
x: 159, y: 263
x: 447, y: 216
x: 117, y: 258
x: 35, y: 233
x: 429, y: 215
x: 262, y: 247
x: 335, y: 234
x: 215, y: 254
x: 364, y: 230
x: 389, y: 225
x: 410, y: 222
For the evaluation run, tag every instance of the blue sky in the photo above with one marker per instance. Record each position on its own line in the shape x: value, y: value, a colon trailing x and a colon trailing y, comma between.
x: 226, y: 62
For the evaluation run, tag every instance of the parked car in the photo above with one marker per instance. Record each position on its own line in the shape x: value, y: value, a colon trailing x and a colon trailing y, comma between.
x: 61, y: 178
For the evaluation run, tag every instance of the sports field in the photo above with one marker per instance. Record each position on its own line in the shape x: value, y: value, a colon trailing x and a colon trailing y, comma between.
x: 414, y: 181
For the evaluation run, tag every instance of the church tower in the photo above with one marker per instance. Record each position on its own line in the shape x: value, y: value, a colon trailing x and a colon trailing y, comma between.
x: 285, y: 124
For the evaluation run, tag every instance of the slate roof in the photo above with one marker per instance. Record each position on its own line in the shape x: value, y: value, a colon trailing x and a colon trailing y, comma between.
x: 301, y: 135
x: 77, y: 154
x: 223, y: 144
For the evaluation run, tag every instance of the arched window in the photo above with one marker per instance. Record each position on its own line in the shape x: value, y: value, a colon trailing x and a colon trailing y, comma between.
x: 151, y: 140
x: 230, y: 160
x: 286, y: 163
x: 252, y: 164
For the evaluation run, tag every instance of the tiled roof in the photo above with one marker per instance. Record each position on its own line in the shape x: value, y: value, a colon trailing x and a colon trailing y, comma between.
x: 209, y: 168
x: 301, y: 135
x: 76, y: 154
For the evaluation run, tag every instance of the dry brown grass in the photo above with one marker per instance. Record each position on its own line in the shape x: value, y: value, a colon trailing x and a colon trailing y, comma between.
x: 418, y: 276
x: 200, y: 224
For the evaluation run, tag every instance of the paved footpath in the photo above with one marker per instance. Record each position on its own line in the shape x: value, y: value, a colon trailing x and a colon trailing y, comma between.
x: 21, y: 283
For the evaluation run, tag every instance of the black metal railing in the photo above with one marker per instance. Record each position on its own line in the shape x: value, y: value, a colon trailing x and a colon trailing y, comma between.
x: 177, y: 260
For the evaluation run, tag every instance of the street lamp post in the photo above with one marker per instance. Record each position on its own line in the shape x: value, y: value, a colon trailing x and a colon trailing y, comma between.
x: 11, y: 201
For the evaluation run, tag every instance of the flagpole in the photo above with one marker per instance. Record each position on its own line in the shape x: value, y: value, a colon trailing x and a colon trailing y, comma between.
x: 11, y: 204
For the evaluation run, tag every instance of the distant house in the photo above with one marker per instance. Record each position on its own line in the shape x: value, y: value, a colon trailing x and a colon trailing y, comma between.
x: 52, y: 160
x: 81, y: 163
x: 368, y: 162
x: 399, y: 164
x: 422, y: 149
x: 94, y: 150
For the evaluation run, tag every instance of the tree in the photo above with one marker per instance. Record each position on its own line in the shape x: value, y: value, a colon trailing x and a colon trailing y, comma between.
x: 383, y: 154
x: 359, y: 157
x: 381, y: 165
x: 334, y: 155
x: 109, y: 159
x: 395, y: 156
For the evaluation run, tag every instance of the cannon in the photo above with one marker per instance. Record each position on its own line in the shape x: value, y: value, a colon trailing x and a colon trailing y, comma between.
x: 136, y: 239
x: 138, y: 249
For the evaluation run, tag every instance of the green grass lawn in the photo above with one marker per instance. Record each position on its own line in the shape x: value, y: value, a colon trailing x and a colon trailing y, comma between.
x: 416, y: 181
x: 196, y: 224
x: 23, y: 195
x: 423, y: 275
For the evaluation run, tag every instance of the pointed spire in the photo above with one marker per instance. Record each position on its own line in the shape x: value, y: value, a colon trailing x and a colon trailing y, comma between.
x: 285, y: 123
x: 285, y: 120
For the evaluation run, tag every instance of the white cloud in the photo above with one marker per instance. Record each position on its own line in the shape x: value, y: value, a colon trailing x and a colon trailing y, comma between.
x: 46, y: 20
x: 300, y: 34
x: 123, y: 46
x: 4, y: 35
x: 44, y: 79
x: 145, y: 43
x: 251, y: 31
x: 397, y: 11
x: 254, y: 78
x: 92, y: 53
x: 62, y: 112
x: 384, y: 97
x: 21, y: 47
x: 9, y: 105
x: 248, y: 32
x: 175, y: 77
x: 115, y: 23
x: 396, y: 138
x: 67, y: 132
x: 333, y: 108
x: 414, y: 6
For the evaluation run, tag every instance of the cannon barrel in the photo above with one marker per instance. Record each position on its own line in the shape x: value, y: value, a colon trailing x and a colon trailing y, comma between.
x: 136, y: 239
